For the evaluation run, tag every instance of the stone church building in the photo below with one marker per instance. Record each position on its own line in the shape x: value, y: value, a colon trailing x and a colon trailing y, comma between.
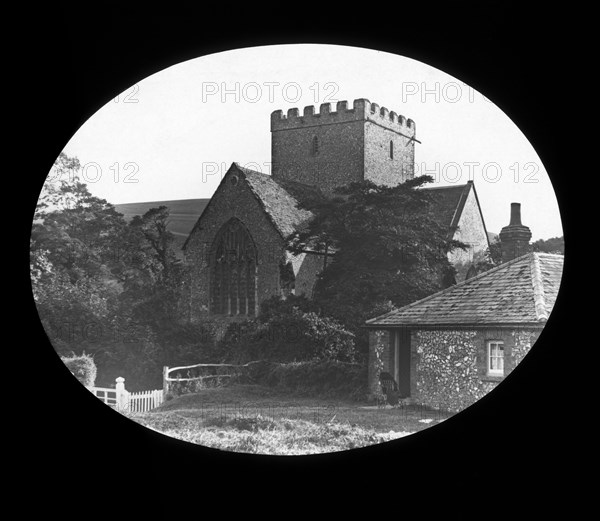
x: 236, y: 249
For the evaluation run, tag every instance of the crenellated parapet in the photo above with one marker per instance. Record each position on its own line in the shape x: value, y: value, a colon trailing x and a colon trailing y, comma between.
x: 362, y: 110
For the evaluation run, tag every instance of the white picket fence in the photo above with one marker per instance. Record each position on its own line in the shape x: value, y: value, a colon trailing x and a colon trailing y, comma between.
x: 123, y: 400
x: 145, y: 400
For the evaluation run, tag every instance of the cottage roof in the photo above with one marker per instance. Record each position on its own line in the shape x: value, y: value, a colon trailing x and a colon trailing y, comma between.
x: 521, y: 291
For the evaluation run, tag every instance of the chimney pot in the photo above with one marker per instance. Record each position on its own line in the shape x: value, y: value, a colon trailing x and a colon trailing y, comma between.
x: 515, y: 214
x: 514, y: 238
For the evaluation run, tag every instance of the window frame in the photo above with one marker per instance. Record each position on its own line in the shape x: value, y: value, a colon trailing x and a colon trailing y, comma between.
x: 489, y: 356
x: 233, y: 274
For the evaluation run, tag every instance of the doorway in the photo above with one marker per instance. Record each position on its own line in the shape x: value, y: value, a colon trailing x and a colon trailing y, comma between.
x: 401, y: 361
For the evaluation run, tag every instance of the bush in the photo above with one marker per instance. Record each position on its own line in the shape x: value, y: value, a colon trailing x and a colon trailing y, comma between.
x: 323, y: 378
x: 82, y: 367
x: 287, y: 335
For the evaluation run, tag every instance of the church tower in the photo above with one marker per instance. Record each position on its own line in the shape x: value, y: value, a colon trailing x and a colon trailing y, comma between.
x: 332, y: 149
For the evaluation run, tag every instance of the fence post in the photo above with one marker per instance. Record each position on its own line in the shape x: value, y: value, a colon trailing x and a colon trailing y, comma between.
x: 121, y: 394
x: 165, y: 382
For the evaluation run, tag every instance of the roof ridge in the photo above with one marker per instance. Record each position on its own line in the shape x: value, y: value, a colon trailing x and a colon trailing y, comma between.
x: 445, y: 186
x: 462, y: 200
x: 547, y: 254
x: 453, y: 287
x: 265, y: 208
x: 537, y: 282
x: 245, y: 170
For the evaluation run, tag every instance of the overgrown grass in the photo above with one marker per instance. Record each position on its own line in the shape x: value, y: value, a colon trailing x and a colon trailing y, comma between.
x: 264, y: 435
x: 259, y: 419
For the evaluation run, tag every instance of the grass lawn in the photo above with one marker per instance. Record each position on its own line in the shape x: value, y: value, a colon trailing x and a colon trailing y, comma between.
x: 257, y: 419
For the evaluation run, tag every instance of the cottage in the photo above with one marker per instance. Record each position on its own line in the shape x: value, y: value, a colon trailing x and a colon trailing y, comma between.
x: 448, y: 350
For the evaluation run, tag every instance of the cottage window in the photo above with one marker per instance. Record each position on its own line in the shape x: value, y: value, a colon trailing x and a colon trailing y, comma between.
x: 233, y: 271
x: 495, y: 358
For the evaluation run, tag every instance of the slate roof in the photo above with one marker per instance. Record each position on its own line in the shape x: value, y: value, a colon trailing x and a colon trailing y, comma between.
x: 519, y: 292
x: 280, y: 199
x: 450, y: 200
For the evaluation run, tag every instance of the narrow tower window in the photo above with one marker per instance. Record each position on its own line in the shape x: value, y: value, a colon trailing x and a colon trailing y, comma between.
x: 391, y: 150
x: 315, y: 146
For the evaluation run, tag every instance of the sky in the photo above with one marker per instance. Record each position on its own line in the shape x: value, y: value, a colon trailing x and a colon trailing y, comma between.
x: 174, y: 134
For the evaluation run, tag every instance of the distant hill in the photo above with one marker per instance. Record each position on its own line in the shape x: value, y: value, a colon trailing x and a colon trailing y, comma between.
x: 183, y: 214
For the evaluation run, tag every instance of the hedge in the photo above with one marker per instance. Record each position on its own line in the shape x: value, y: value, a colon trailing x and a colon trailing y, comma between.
x: 82, y: 367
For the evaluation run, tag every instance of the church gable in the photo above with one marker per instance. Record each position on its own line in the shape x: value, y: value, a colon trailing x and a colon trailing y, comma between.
x: 233, y: 252
x: 457, y: 208
x: 234, y: 197
x: 470, y: 229
x: 236, y: 250
x: 280, y: 200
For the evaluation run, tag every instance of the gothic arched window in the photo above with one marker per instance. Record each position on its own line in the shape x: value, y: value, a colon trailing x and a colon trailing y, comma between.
x: 233, y: 271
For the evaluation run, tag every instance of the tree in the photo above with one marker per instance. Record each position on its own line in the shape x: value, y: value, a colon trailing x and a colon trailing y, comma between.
x: 154, y: 275
x: 385, y: 245
x: 486, y: 260
x: 552, y: 245
x: 103, y: 286
x: 79, y: 231
x: 71, y: 271
x: 288, y: 331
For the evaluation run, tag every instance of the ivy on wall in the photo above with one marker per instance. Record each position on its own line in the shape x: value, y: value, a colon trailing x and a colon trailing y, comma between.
x: 381, y: 340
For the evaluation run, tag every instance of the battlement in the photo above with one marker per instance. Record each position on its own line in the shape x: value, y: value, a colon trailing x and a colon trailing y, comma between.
x: 362, y: 110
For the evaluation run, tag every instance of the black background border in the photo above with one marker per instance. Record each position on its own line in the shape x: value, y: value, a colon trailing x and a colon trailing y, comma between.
x: 76, y: 60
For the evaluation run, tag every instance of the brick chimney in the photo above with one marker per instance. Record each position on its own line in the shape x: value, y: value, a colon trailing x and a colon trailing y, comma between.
x: 514, y: 238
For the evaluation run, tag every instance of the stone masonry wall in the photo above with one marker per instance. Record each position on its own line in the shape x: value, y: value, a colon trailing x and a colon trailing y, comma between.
x: 310, y: 267
x: 471, y: 231
x: 451, y: 364
x: 449, y: 367
x: 231, y: 200
x: 353, y: 144
x: 339, y: 160
x: 379, y: 167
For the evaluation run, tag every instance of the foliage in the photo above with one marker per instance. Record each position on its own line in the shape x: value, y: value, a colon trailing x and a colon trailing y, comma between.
x: 107, y: 286
x: 82, y: 367
x: 383, y: 247
x: 272, y: 421
x: 266, y: 435
x: 320, y: 378
x: 553, y: 245
x: 287, y: 334
x: 488, y: 259
x: 276, y: 306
